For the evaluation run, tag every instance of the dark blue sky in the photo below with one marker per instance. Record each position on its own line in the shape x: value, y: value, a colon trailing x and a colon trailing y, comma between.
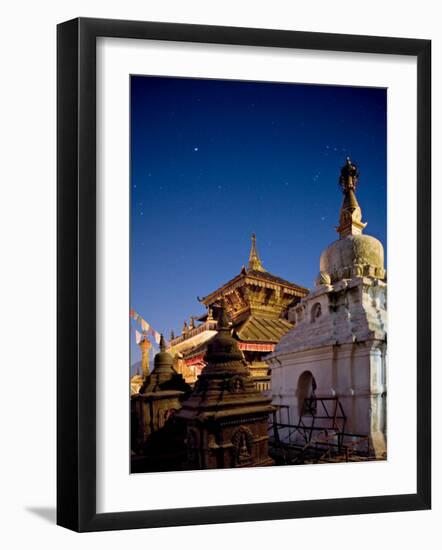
x: 213, y: 161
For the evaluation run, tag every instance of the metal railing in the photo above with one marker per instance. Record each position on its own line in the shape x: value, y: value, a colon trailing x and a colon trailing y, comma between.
x: 319, y: 435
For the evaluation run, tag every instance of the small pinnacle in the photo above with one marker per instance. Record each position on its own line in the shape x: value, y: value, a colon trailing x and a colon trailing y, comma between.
x: 254, y: 259
x: 223, y: 321
x: 162, y: 343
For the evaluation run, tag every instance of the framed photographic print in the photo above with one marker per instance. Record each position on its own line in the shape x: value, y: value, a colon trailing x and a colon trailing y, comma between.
x: 233, y: 204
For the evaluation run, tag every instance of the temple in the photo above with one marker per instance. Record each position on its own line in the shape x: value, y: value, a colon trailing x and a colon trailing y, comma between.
x: 257, y: 304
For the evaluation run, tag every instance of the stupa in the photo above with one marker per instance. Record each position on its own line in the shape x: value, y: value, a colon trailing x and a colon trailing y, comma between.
x: 159, y: 398
x: 225, y: 417
x: 338, y: 348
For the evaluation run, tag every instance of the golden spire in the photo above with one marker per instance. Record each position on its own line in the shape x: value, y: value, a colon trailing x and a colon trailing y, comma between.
x: 350, y: 218
x: 254, y: 259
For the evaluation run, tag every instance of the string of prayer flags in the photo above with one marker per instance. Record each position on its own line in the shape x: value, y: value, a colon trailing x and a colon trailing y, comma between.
x: 145, y: 327
x: 156, y: 335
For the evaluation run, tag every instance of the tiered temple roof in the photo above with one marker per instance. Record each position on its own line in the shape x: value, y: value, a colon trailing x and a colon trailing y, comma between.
x: 256, y: 302
x: 255, y: 291
x: 257, y: 329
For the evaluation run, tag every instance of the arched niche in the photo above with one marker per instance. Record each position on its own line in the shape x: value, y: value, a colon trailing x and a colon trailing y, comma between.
x: 316, y: 312
x: 306, y: 390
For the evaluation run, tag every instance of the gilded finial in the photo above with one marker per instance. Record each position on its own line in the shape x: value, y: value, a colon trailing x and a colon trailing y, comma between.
x: 350, y: 218
x: 254, y: 259
x: 349, y: 176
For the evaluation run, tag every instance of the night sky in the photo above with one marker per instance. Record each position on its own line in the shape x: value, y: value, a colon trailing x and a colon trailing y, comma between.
x: 213, y: 161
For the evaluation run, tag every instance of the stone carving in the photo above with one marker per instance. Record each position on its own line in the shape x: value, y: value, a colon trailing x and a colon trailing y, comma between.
x: 236, y: 384
x: 242, y: 441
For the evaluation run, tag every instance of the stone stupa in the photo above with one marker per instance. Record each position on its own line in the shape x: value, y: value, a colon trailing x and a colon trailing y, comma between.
x: 225, y: 417
x: 338, y: 346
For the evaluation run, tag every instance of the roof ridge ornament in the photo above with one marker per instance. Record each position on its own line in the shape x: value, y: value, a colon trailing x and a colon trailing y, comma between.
x: 255, y: 263
x: 350, y: 218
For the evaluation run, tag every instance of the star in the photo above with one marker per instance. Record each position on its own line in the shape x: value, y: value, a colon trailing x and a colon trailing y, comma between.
x: 195, y: 148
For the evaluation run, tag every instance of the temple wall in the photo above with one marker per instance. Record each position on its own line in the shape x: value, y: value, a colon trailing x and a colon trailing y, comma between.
x: 355, y: 373
x: 340, y: 340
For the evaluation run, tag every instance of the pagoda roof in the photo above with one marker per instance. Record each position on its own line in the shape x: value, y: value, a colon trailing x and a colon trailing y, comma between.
x: 273, y: 278
x: 256, y: 271
x: 261, y: 329
x: 194, y: 338
x: 262, y: 276
x: 254, y: 329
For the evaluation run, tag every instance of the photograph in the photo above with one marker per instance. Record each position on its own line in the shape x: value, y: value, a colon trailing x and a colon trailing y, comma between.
x: 204, y: 208
x: 258, y: 274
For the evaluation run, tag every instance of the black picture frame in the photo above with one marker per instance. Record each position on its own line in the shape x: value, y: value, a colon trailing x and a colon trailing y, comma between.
x: 76, y: 274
